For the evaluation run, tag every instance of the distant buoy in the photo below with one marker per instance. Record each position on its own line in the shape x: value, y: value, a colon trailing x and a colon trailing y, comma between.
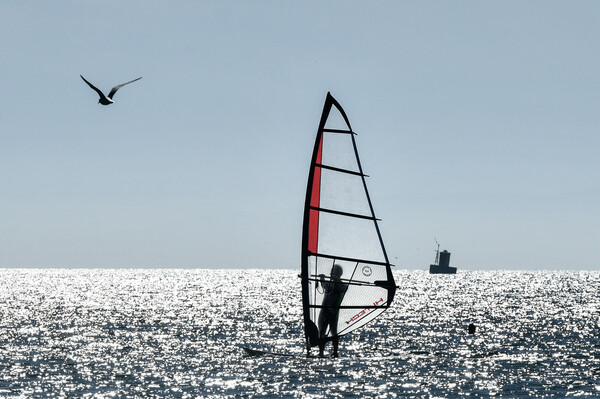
x: 471, y: 328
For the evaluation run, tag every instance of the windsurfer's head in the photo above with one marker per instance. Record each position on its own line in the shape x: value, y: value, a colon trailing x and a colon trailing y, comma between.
x: 337, y: 270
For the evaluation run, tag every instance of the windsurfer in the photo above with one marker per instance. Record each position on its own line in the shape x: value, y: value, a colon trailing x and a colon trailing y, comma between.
x: 334, y: 291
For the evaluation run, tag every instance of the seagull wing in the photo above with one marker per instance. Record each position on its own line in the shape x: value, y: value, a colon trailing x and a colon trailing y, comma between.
x: 94, y: 87
x: 114, y: 89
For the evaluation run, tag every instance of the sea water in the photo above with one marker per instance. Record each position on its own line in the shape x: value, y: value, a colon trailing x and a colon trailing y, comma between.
x: 178, y: 333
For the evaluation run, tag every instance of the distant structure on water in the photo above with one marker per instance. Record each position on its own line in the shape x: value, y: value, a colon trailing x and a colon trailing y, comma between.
x: 442, y: 262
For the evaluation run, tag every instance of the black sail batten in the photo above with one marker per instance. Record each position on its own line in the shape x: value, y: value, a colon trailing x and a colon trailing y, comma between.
x: 350, y: 282
x: 349, y: 307
x: 338, y: 131
x: 338, y: 216
x: 350, y: 172
x: 352, y: 215
x: 334, y: 257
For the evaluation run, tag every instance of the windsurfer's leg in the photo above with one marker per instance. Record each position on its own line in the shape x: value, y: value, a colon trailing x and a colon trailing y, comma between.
x: 321, y: 348
x: 320, y: 321
x: 322, y: 324
x: 322, y: 333
x: 335, y: 341
x: 325, y: 322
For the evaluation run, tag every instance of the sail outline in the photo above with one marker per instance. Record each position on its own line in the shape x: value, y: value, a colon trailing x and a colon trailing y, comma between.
x: 310, y: 234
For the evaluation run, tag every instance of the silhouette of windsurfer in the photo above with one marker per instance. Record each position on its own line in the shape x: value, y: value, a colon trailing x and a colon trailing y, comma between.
x: 334, y: 291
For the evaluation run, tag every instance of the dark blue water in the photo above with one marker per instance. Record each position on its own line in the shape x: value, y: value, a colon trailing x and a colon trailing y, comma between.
x: 178, y: 333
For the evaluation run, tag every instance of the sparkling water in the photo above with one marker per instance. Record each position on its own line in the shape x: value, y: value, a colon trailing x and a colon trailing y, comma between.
x: 180, y: 333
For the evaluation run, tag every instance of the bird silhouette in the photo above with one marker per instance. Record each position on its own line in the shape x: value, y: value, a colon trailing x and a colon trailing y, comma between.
x: 107, y: 100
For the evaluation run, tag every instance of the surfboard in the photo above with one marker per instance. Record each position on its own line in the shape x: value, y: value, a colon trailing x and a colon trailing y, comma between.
x: 257, y: 352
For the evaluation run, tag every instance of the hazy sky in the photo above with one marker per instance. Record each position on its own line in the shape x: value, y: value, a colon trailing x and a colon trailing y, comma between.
x: 478, y: 123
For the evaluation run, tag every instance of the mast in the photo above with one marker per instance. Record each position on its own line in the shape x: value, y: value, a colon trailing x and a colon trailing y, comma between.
x: 310, y: 329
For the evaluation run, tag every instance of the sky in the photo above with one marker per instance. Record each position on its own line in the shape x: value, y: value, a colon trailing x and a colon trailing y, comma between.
x: 477, y: 123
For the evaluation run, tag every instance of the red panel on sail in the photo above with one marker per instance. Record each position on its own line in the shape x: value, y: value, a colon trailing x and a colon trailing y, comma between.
x: 315, y: 197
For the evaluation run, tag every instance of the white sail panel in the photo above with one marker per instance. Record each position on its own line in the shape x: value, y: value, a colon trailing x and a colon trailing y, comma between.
x: 348, y: 237
x: 343, y: 192
x: 335, y: 120
x: 363, y: 301
x: 338, y: 151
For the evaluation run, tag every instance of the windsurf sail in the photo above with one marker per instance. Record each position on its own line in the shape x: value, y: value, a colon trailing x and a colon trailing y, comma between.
x: 346, y: 275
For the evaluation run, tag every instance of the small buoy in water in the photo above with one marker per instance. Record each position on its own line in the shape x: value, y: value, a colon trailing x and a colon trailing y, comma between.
x: 471, y: 328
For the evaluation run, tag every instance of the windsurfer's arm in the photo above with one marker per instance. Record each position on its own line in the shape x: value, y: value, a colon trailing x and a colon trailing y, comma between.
x: 326, y: 284
x: 322, y: 278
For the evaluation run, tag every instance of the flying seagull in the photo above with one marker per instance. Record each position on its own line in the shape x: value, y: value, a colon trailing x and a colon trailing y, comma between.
x: 107, y: 100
